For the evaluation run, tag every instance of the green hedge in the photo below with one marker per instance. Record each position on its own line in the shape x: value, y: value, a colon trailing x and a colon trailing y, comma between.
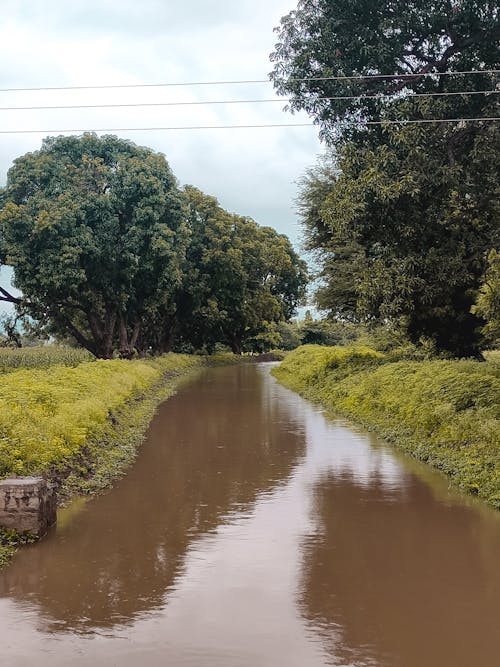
x: 446, y: 413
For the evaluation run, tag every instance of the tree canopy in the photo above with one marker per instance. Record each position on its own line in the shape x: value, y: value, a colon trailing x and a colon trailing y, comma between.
x: 331, y: 49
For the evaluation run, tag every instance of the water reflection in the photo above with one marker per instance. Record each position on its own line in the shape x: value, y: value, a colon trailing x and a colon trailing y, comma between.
x: 211, y: 450
x: 393, y: 578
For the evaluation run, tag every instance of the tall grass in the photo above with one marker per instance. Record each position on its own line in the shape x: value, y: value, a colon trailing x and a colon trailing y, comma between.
x: 12, y: 359
x: 446, y: 413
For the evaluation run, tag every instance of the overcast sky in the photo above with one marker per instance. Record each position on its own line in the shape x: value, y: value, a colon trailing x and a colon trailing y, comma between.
x: 253, y: 172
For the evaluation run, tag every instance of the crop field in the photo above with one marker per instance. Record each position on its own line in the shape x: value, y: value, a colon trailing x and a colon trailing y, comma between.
x: 13, y: 359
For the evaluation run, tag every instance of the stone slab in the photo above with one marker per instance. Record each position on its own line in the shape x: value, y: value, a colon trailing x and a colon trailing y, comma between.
x: 27, y: 504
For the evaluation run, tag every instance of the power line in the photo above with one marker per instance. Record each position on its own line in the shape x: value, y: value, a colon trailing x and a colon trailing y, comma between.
x: 158, y: 129
x: 365, y: 77
x: 250, y: 101
x: 267, y: 125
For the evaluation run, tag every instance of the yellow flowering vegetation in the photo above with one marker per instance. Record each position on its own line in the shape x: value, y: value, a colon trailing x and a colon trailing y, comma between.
x: 47, y: 414
x: 446, y: 413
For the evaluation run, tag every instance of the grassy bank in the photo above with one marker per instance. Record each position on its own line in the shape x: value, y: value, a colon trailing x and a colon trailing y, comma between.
x: 80, y: 426
x: 46, y: 416
x: 446, y: 413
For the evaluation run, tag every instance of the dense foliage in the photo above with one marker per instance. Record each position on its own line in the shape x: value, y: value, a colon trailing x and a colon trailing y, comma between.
x: 446, y: 413
x: 403, y: 235
x: 239, y: 278
x: 488, y: 302
x: 402, y: 216
x: 108, y: 250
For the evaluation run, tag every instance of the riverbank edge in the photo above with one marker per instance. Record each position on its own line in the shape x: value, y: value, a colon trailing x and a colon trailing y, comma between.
x: 453, y: 463
x: 101, y: 462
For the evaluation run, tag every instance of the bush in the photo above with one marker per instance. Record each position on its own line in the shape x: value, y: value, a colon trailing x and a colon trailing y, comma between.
x: 327, y: 332
x: 290, y: 335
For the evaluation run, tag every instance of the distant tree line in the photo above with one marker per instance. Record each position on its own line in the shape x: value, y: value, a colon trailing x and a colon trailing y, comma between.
x: 107, y: 249
x: 403, y: 217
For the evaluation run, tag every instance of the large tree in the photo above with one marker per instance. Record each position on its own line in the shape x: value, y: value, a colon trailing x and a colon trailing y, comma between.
x: 403, y: 215
x: 93, y: 227
x: 403, y: 235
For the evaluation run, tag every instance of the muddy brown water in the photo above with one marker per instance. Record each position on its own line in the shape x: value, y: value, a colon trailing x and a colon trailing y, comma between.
x: 253, y: 531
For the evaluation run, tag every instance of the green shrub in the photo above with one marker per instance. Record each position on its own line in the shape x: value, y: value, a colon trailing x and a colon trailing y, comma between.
x: 314, y: 364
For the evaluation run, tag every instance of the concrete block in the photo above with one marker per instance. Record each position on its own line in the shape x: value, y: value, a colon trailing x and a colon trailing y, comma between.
x: 27, y: 504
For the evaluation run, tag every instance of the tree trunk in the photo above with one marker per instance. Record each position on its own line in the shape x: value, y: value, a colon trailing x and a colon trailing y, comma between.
x: 135, y: 334
x: 167, y: 336
x: 166, y: 341
x: 235, y: 345
x: 80, y: 338
x: 103, y: 332
x: 109, y: 330
x: 126, y: 346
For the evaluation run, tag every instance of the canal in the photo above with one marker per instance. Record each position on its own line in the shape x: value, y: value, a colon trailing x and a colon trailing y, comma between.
x: 254, y: 531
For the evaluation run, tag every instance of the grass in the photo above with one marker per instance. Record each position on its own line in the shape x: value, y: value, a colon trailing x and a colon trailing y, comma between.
x: 10, y: 541
x: 446, y: 413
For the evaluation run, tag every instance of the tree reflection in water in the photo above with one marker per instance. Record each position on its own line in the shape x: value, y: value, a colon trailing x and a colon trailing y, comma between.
x: 393, y: 578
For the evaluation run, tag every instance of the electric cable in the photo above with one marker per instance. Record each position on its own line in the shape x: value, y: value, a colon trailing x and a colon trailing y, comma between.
x: 250, y: 101
x: 266, y: 125
x: 358, y: 77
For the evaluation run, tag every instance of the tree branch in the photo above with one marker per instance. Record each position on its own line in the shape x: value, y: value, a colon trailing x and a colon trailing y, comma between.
x: 441, y: 62
x: 451, y: 50
x: 77, y: 334
x: 10, y: 298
